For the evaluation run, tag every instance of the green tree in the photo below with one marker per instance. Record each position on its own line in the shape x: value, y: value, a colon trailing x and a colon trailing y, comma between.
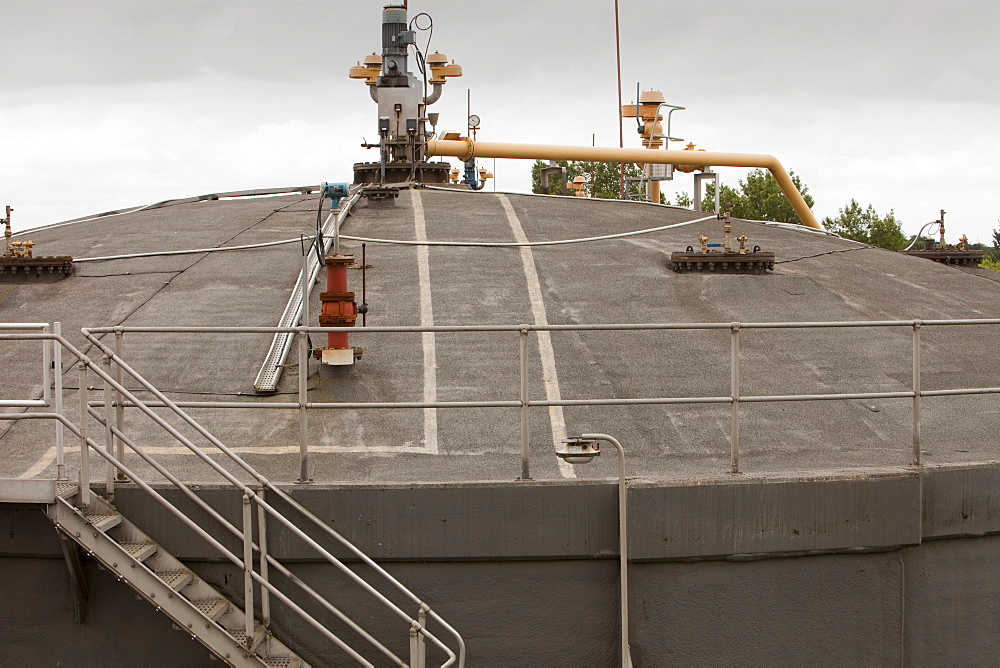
x: 759, y: 198
x: 683, y: 199
x: 866, y: 226
x: 993, y: 252
x: 604, y: 177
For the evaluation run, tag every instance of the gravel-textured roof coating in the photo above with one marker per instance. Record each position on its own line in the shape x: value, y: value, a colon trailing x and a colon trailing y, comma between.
x: 816, y: 278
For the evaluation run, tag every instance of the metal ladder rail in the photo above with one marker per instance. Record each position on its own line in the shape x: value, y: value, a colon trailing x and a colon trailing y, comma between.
x: 410, y: 621
x: 162, y: 592
x: 173, y: 432
x: 221, y: 549
x: 421, y: 629
x: 92, y: 444
x: 236, y: 532
x: 270, y: 371
x: 165, y: 586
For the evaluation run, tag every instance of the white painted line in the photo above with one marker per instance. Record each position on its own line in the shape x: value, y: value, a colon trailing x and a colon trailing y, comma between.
x: 426, y: 320
x: 549, y: 376
x: 43, y: 463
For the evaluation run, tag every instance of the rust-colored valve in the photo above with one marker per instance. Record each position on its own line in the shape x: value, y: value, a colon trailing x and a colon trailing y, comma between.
x: 339, y: 310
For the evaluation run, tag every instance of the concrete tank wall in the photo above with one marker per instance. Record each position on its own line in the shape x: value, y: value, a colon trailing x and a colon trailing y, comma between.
x: 874, y: 567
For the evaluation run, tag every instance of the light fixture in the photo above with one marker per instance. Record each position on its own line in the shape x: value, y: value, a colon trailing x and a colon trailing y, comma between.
x: 578, y: 450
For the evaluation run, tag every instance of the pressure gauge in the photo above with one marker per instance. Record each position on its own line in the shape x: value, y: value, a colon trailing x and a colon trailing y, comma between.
x: 473, y: 121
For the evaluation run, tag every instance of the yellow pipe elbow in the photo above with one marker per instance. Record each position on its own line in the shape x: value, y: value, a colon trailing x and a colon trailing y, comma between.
x: 467, y: 149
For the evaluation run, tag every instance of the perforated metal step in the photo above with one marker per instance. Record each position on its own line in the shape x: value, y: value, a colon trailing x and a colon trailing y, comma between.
x: 139, y: 551
x: 104, y: 521
x: 213, y: 608
x: 176, y: 580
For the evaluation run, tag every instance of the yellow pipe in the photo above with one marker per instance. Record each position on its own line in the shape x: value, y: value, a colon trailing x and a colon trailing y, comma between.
x: 466, y: 149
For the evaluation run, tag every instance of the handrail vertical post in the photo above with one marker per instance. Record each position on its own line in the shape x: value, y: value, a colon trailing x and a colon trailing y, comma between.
x: 119, y: 405
x: 525, y: 450
x: 421, y: 644
x: 915, y: 460
x: 58, y: 400
x: 265, y: 595
x: 734, y: 430
x: 304, y: 289
x: 416, y: 639
x: 47, y: 346
x: 84, y: 448
x: 303, y: 399
x: 109, y: 437
x: 248, y: 568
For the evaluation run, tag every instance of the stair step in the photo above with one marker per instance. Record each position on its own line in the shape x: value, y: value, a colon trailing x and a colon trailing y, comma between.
x: 139, y: 551
x: 213, y: 608
x: 104, y: 521
x: 67, y: 490
x: 241, y: 636
x: 283, y: 661
x: 176, y: 580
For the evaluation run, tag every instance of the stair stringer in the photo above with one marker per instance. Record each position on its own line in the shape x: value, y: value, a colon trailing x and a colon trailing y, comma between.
x: 193, y: 605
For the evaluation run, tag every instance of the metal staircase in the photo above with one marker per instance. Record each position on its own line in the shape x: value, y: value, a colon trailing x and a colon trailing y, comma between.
x: 159, y: 578
x: 230, y: 630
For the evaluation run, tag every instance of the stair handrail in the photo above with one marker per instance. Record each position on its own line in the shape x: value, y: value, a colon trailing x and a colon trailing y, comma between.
x: 91, y: 443
x: 265, y: 483
x: 87, y: 363
x: 226, y: 524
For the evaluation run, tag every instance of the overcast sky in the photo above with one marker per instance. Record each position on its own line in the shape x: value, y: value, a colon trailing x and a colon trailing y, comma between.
x: 116, y: 103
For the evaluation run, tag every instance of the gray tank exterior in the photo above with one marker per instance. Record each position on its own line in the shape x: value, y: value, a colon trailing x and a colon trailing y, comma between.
x: 889, y: 567
x: 827, y: 548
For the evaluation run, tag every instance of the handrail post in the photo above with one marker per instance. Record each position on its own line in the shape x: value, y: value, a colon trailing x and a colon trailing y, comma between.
x: 119, y: 405
x: 84, y: 448
x: 58, y: 401
x: 421, y: 658
x: 303, y: 418
x: 416, y: 640
x: 525, y: 449
x: 915, y: 460
x: 109, y: 437
x: 248, y: 568
x: 265, y: 595
x: 47, y: 346
x: 734, y: 429
x: 304, y: 289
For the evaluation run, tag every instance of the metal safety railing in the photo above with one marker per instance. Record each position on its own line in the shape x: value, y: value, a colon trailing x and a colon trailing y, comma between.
x: 525, y: 402
x: 113, y: 451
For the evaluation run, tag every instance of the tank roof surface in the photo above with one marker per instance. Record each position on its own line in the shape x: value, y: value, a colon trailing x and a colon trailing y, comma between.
x: 817, y: 277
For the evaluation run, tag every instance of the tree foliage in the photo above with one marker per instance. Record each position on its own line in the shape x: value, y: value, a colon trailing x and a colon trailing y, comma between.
x: 760, y: 198
x: 866, y: 226
x: 604, y: 177
x: 993, y: 252
x: 683, y: 199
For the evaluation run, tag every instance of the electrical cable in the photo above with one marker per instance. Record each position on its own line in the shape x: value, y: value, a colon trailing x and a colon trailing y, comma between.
x: 921, y: 233
x: 192, y: 251
x: 161, y: 204
x: 515, y: 244
x: 422, y: 67
x: 830, y: 252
